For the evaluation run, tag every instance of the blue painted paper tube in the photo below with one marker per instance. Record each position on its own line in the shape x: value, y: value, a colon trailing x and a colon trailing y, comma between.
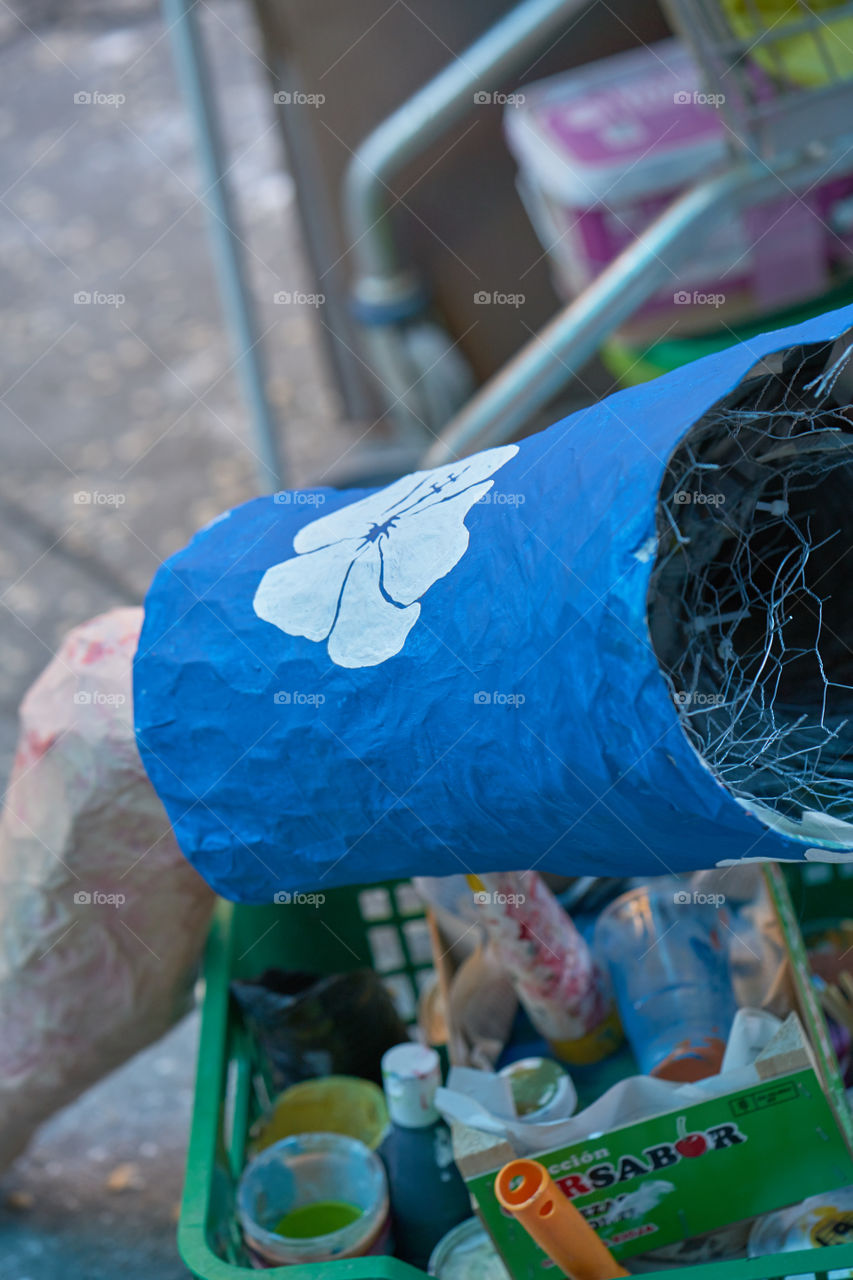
x: 619, y: 646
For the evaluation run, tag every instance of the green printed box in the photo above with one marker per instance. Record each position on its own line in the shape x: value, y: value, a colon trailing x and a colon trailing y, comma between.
x: 679, y: 1175
x: 684, y: 1173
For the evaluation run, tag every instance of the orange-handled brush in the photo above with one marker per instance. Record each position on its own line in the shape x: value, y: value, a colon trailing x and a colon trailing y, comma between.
x: 526, y: 1189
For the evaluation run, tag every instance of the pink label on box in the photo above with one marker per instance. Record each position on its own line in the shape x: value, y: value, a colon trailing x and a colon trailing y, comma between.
x: 606, y: 148
x: 619, y: 123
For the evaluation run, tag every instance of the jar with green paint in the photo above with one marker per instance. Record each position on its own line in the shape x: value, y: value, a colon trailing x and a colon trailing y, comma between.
x: 314, y: 1197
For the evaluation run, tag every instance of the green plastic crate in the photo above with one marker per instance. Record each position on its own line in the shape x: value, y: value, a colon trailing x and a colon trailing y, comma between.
x: 244, y: 941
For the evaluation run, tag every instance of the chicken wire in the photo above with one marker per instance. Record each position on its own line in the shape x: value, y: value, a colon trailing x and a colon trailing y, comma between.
x: 747, y: 604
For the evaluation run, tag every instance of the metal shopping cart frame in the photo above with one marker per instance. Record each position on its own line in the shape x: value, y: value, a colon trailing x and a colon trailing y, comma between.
x: 784, y: 139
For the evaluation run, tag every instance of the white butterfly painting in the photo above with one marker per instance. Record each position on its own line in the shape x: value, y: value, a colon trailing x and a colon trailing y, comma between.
x: 359, y: 573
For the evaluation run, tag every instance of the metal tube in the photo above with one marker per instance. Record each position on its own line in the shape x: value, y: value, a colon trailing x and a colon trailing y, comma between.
x: 545, y: 364
x: 182, y: 20
x: 426, y: 116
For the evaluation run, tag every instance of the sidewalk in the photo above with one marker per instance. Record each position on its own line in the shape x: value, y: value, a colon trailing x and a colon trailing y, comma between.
x: 123, y: 432
x: 122, y: 426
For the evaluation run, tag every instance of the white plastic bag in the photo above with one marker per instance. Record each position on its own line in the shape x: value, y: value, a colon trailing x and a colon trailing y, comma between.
x: 101, y: 917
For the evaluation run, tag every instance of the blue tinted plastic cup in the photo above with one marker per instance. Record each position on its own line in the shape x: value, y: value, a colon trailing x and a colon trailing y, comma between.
x: 665, y: 948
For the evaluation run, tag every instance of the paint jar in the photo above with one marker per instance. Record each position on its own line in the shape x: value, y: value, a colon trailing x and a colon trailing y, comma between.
x: 665, y: 947
x: 467, y: 1253
x: 314, y: 1197
x: 334, y: 1104
x: 541, y: 1090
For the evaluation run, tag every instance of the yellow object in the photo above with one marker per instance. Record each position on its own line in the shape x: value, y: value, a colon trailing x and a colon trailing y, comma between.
x: 834, y: 1226
x: 526, y: 1189
x: 819, y: 56
x: 595, y: 1045
x: 334, y: 1104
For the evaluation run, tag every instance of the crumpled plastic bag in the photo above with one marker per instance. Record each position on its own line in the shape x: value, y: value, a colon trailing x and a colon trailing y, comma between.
x: 634, y: 1098
x: 101, y: 917
x: 311, y: 1025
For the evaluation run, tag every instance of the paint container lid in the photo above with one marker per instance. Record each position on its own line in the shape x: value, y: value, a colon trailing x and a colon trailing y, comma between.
x: 331, y: 1104
x: 467, y: 1253
x: 541, y: 1089
x: 411, y: 1073
x: 818, y: 1222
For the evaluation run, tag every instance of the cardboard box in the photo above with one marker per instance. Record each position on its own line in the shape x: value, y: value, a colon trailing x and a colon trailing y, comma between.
x: 702, y: 1167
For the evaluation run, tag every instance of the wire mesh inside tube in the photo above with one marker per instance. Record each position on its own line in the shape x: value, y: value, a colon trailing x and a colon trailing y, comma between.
x: 750, y: 605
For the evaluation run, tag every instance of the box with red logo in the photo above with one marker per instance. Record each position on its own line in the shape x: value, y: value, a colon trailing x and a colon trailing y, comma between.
x: 699, y: 1169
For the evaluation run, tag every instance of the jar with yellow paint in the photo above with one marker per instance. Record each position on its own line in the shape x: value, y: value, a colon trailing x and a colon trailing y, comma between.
x: 333, y: 1104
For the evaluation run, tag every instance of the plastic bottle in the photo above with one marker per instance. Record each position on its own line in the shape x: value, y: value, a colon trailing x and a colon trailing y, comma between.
x: 567, y: 998
x: 428, y: 1195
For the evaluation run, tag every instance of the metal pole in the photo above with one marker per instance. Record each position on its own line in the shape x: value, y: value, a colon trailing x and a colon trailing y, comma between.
x: 428, y: 114
x: 182, y: 19
x: 545, y: 364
